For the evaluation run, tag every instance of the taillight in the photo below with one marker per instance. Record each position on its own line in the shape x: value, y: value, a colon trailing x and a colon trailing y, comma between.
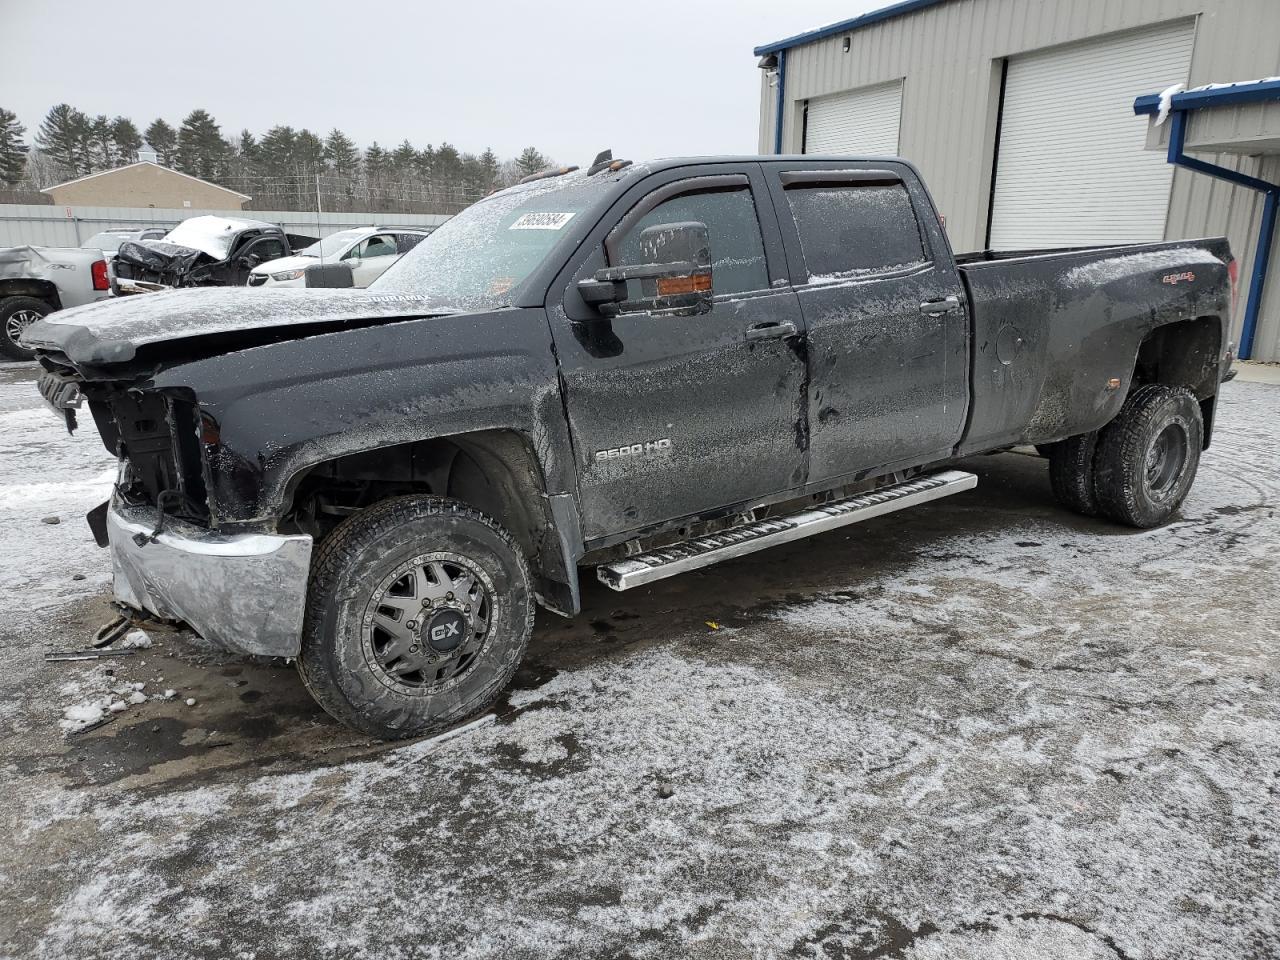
x: 100, y: 279
x: 1233, y: 271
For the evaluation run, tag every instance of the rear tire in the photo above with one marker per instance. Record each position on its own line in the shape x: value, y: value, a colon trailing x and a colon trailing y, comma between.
x: 1071, y: 473
x: 16, y: 314
x: 418, y: 614
x: 1148, y: 455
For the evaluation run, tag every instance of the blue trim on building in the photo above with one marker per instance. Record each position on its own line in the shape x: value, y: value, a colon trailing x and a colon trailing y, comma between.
x: 1256, y: 91
x: 845, y: 26
x: 780, y: 103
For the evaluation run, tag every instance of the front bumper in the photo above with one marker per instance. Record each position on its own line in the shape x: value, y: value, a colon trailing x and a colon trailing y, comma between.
x: 244, y: 592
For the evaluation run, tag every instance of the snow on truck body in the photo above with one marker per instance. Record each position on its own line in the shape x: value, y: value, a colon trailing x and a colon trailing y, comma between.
x: 769, y: 378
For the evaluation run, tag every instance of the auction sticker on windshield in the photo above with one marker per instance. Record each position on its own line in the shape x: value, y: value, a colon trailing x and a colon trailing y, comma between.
x: 541, y: 221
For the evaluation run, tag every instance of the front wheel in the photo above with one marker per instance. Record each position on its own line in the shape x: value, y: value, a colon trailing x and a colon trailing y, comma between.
x: 1148, y: 455
x: 418, y: 614
x: 16, y: 314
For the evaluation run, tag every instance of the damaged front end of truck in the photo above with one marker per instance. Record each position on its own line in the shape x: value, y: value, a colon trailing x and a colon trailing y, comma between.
x: 184, y: 543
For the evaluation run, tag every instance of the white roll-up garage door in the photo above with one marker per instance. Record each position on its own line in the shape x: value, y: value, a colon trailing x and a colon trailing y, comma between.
x: 857, y: 122
x: 1072, y: 167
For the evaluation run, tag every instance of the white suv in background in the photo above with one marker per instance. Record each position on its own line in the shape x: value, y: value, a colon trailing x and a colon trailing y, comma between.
x: 368, y: 250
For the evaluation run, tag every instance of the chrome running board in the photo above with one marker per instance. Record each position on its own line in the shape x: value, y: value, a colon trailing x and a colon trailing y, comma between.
x: 750, y: 537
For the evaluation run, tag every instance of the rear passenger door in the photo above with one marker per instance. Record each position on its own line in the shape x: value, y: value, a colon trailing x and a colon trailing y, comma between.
x: 883, y: 305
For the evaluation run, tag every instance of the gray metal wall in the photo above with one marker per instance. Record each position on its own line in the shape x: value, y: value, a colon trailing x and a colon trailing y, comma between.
x: 49, y: 226
x: 951, y: 58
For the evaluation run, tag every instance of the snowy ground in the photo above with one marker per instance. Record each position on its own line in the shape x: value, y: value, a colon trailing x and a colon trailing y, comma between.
x: 984, y: 729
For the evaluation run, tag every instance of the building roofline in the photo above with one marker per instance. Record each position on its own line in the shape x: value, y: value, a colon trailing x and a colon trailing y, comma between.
x: 845, y: 26
x: 146, y: 163
x: 1215, y: 95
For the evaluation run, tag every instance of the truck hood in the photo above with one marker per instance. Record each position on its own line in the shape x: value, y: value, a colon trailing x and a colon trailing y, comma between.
x: 114, y: 330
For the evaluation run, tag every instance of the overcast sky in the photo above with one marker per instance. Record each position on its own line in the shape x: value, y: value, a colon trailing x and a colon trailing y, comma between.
x: 648, y: 78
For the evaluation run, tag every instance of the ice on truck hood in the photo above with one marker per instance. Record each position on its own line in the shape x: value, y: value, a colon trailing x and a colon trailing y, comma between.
x: 111, y: 331
x: 212, y: 235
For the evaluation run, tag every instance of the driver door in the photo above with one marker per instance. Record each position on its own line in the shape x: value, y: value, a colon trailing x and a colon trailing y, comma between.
x: 254, y: 254
x: 677, y: 416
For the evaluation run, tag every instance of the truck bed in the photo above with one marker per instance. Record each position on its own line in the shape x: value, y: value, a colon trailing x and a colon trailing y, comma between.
x: 1052, y: 329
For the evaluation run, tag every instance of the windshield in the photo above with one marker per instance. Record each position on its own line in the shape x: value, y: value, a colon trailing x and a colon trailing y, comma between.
x: 476, y: 259
x: 106, y: 242
x: 333, y: 244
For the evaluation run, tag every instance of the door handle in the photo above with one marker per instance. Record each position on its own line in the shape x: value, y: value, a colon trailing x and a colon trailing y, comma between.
x: 773, y: 330
x: 936, y: 308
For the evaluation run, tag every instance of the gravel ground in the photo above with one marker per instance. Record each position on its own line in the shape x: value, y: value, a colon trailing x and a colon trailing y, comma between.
x: 985, y: 728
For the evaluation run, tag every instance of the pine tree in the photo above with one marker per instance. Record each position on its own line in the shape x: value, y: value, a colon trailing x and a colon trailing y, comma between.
x: 276, y: 151
x: 341, y: 153
x: 201, y: 150
x: 247, y: 148
x: 530, y: 161
x: 13, y: 151
x: 309, y: 152
x: 403, y: 158
x: 163, y: 139
x: 448, y: 165
x: 101, y: 146
x: 125, y: 139
x: 488, y: 170
x: 424, y: 164
x: 62, y: 137
x: 376, y: 160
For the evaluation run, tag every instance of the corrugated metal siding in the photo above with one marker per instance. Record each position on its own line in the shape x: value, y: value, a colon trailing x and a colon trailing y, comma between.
x: 1243, y: 128
x: 950, y: 54
x: 42, y: 225
x: 768, y: 100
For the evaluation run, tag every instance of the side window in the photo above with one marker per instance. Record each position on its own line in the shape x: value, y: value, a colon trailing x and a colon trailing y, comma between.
x: 268, y: 249
x: 407, y: 241
x: 382, y: 245
x: 850, y: 229
x: 737, y: 247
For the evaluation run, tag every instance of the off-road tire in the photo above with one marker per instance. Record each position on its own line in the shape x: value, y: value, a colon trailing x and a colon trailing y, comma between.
x: 1134, y: 484
x: 349, y: 564
x: 9, y: 308
x: 1071, y: 473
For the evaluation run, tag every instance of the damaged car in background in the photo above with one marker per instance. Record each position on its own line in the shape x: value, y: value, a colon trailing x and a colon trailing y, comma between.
x: 36, y: 281
x: 637, y: 368
x: 206, y: 251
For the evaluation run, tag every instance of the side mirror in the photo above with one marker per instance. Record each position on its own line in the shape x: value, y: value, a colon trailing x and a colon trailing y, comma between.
x: 675, y: 275
x: 331, y: 275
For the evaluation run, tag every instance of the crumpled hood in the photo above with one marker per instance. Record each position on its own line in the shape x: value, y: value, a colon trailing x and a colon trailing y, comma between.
x: 112, y: 331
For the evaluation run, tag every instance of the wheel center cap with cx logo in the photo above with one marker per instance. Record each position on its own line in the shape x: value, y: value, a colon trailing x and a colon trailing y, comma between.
x: 445, y: 631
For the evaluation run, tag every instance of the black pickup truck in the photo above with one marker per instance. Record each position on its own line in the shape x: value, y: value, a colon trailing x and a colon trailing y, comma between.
x: 643, y: 368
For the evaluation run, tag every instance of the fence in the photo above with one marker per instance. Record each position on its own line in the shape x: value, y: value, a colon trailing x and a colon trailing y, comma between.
x: 47, y: 226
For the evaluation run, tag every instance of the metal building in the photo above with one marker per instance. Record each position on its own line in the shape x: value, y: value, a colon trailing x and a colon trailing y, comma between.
x: 1021, y: 116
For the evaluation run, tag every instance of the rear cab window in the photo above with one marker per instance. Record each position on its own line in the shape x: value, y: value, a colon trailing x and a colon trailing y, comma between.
x: 852, y: 227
